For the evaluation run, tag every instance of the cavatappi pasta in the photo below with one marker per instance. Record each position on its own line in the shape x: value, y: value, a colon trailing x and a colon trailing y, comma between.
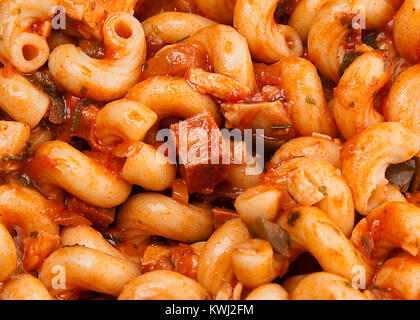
x: 217, y: 150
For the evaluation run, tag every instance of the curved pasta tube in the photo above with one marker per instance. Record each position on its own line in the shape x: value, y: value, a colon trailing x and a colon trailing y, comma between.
x: 367, y: 155
x: 328, y: 34
x: 8, y: 255
x: 218, y: 10
x: 307, y: 106
x: 24, y: 287
x: 325, y: 286
x: 309, y: 182
x: 83, y: 268
x: 404, y: 99
x: 172, y: 27
x: 354, y: 108
x: 291, y: 283
x: 123, y: 120
x: 21, y: 100
x: 149, y: 168
x: 318, y: 147
x: 27, y: 211
x: 268, y: 41
x: 88, y: 237
x: 228, y: 52
x: 254, y: 263
x: 406, y: 31
x: 311, y: 230
x: 108, y: 78
x: 169, y: 96
x: 375, y: 13
x: 163, y: 285
x: 215, y: 261
x: 156, y: 214
x: 13, y: 137
x: 25, y: 49
x: 402, y: 276
x: 302, y: 17
x: 269, y: 291
x: 258, y: 201
x: 57, y: 163
x: 388, y: 226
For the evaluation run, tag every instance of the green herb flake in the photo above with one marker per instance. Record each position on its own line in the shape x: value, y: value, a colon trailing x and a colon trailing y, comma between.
x: 144, y: 67
x: 21, y: 156
x: 352, y: 104
x: 180, y: 40
x: 292, y: 217
x: 83, y: 90
x: 170, y: 262
x: 348, y: 59
x: 92, y: 5
x: 348, y: 285
x: 139, y: 221
x: 34, y: 234
x: 370, y: 38
x: 323, y: 190
x: 77, y: 115
x: 310, y: 100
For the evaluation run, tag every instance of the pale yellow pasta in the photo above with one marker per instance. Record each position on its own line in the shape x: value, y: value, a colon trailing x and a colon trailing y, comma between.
x: 306, y: 105
x: 13, y: 137
x: 172, y: 27
x: 215, y: 262
x: 156, y: 214
x: 399, y: 228
x: 21, y: 99
x: 26, y: 210
x: 103, y: 79
x: 168, y: 96
x: 123, y: 120
x: 268, y: 41
x: 325, y: 286
x: 318, y: 147
x: 24, y: 287
x: 406, y: 31
x: 311, y: 230
x: 8, y: 254
x: 57, y: 163
x: 228, y: 52
x: 402, y: 276
x: 269, y: 291
x: 354, y: 108
x: 367, y: 155
x: 218, y: 10
x: 88, y: 237
x: 148, y: 167
x: 25, y: 49
x: 163, y: 285
x: 404, y: 99
x: 83, y: 268
x: 254, y: 263
x: 258, y: 201
x: 309, y: 182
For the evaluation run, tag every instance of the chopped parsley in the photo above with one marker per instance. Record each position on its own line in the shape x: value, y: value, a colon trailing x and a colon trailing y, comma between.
x: 292, y: 217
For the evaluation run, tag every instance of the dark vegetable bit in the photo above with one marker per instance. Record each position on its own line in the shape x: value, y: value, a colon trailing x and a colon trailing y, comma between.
x: 369, y: 39
x: 282, y: 127
x: 348, y: 59
x: 292, y: 217
x: 273, y: 233
x: 94, y: 49
x: 34, y: 234
x: 415, y: 183
x: 310, y: 100
x: 75, y: 122
x: 20, y: 157
x: 401, y: 174
x: 323, y: 190
x: 45, y: 81
x: 112, y: 239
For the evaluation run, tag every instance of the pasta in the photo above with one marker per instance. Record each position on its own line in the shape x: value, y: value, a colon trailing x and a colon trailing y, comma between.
x: 210, y: 150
